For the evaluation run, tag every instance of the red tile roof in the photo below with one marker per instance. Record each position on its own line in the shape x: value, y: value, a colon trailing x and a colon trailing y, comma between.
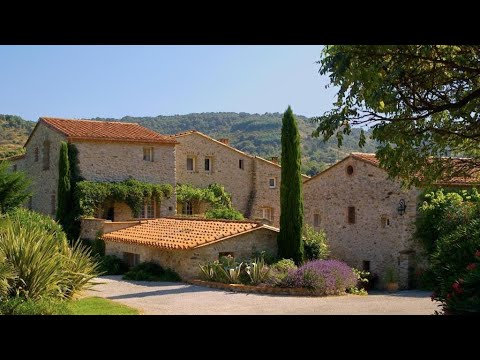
x: 181, y: 233
x: 105, y: 130
x: 370, y: 158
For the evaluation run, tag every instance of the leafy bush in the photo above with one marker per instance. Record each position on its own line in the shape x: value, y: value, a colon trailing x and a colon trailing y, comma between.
x: 442, y: 212
x: 279, y: 270
x: 315, y: 244
x: 43, y: 261
x: 267, y: 256
x: 224, y: 213
x: 112, y: 265
x: 362, y: 280
x: 43, y: 306
x: 325, y: 277
x: 455, y: 257
x: 150, y: 271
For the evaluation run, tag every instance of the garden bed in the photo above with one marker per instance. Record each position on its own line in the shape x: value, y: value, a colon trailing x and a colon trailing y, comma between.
x: 256, y: 289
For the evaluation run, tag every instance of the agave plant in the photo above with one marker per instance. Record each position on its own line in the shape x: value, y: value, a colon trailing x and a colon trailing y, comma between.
x: 212, y: 271
x: 42, y: 259
x: 232, y: 274
x: 258, y: 271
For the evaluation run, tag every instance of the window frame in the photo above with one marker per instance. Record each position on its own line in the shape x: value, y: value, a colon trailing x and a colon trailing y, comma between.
x: 193, y: 163
x: 316, y: 220
x: 265, y: 210
x: 46, y: 154
x: 274, y: 186
x: 149, y: 150
x: 209, y: 159
x: 241, y: 164
x: 147, y: 204
x: 187, y: 207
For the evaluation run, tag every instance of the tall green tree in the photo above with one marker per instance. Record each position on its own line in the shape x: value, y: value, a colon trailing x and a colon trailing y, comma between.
x: 65, y: 200
x: 422, y: 101
x: 290, y: 244
x: 14, y: 187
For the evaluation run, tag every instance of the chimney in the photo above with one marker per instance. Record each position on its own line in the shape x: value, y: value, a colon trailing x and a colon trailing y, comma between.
x: 275, y: 159
x: 223, y: 140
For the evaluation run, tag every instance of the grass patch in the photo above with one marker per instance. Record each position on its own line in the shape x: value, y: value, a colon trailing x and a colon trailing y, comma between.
x: 100, y: 306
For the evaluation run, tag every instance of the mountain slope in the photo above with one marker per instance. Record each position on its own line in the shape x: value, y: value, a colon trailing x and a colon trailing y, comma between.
x: 257, y: 134
x: 14, y: 132
x: 253, y: 133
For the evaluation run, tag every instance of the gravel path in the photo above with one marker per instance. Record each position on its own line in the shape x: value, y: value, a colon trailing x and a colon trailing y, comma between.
x: 179, y: 298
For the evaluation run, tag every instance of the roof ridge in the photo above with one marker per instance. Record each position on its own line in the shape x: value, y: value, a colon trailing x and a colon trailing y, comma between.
x: 90, y: 120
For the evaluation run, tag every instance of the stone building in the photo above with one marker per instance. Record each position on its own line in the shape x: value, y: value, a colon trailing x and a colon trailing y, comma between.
x: 253, y: 182
x: 360, y: 210
x: 107, y: 151
x: 183, y: 244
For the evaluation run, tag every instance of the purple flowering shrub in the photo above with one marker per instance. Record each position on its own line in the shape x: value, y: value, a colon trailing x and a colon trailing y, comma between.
x: 325, y: 277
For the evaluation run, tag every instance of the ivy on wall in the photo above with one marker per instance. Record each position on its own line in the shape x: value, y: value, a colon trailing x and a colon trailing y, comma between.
x: 92, y: 195
x: 214, y: 194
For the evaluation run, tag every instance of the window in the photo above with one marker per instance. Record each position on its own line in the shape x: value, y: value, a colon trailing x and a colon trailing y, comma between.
x: 46, y: 155
x: 36, y: 154
x: 226, y: 253
x: 190, y: 164
x: 15, y: 168
x: 366, y: 265
x: 53, y: 204
x: 267, y: 213
x: 272, y: 183
x: 208, y: 164
x: 385, y: 221
x: 351, y: 215
x: 316, y: 220
x: 131, y: 259
x: 350, y: 170
x: 187, y: 208
x: 148, y: 209
x: 148, y: 154
x: 241, y: 164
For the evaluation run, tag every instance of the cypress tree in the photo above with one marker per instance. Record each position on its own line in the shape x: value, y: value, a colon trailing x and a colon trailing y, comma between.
x: 290, y: 243
x: 64, y: 188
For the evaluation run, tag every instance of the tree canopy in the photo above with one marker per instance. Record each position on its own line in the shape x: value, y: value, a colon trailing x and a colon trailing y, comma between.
x: 422, y: 102
x: 290, y: 243
x: 14, y: 187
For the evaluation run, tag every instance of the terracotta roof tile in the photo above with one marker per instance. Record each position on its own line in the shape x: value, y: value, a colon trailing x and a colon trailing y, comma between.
x: 181, y: 233
x: 105, y: 130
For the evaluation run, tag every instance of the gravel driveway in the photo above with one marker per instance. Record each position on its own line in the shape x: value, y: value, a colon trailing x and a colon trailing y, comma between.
x: 179, y: 298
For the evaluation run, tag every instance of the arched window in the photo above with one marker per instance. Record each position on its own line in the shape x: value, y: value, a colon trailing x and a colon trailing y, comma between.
x: 350, y: 170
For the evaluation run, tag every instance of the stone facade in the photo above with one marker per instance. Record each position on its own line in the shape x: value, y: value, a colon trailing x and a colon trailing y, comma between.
x: 379, y: 235
x: 225, y: 168
x: 186, y: 262
x: 102, y: 161
x: 250, y: 187
x: 42, y: 148
x: 116, y: 161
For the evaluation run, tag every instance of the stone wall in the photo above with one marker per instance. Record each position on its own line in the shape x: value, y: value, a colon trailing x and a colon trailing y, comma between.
x: 91, y: 227
x: 186, y: 262
x: 115, y: 161
x: 374, y: 197
x: 225, y: 168
x: 44, y: 182
x: 265, y: 196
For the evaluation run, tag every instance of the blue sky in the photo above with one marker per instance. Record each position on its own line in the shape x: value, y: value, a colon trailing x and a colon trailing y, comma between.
x: 115, y: 81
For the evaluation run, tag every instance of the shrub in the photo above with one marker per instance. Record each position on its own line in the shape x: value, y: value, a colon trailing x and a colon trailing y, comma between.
x: 211, y: 271
x: 267, y: 256
x: 257, y: 271
x: 451, y: 264
x: 43, y: 306
x: 362, y: 281
x: 150, y: 271
x: 43, y: 261
x: 112, y: 265
x: 325, y: 277
x: 13, y: 187
x: 224, y: 213
x: 315, y: 243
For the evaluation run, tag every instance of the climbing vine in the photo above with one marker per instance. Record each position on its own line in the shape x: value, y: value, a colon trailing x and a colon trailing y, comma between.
x: 214, y: 194
x: 92, y: 195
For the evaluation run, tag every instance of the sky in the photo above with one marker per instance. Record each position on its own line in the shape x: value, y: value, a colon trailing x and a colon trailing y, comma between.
x: 115, y: 81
